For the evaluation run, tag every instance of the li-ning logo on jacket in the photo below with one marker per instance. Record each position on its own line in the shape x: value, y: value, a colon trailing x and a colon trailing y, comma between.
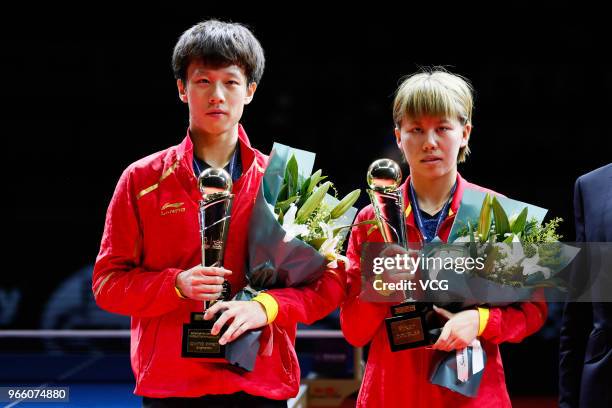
x: 172, y: 208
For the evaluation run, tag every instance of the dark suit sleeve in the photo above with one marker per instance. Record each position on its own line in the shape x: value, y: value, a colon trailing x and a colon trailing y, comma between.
x: 578, y: 212
x: 577, y: 322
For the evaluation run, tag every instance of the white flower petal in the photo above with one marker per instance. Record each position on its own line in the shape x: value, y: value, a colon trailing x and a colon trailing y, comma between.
x: 296, y: 229
x: 289, y: 217
x: 328, y: 231
x: 530, y: 266
x: 328, y: 248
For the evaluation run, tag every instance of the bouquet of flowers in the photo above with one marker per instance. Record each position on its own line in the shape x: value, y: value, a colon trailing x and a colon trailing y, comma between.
x: 306, y: 211
x: 296, y: 230
x: 518, y: 254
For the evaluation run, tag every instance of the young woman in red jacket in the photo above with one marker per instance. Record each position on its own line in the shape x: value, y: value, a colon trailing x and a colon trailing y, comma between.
x: 432, y: 113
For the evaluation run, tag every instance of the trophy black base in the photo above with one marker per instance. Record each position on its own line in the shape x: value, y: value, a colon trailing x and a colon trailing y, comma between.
x: 412, y: 325
x: 198, y: 342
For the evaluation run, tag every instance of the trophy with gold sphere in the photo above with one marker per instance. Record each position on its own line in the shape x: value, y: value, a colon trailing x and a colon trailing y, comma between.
x: 384, y: 179
x: 214, y: 215
x: 413, y: 324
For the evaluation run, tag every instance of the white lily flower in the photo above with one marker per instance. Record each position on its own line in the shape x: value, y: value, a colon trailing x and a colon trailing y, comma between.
x: 290, y: 226
x: 514, y: 253
x: 502, y: 255
x: 328, y: 249
x: 328, y: 231
x: 530, y: 266
x: 515, y: 237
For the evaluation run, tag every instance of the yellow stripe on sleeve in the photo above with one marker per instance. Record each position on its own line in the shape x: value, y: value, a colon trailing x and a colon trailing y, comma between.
x: 270, y: 305
x: 483, y: 314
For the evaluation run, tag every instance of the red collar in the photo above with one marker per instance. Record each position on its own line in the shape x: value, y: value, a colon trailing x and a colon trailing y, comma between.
x: 455, y: 203
x: 184, y: 151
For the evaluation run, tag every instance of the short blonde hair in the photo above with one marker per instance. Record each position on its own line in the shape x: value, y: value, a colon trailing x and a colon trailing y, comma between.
x: 435, y: 92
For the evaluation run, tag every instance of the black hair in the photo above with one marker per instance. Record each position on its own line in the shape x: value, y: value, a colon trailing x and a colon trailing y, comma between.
x: 219, y: 44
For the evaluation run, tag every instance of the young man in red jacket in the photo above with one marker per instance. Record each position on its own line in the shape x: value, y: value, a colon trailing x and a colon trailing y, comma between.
x: 433, y: 118
x: 149, y: 265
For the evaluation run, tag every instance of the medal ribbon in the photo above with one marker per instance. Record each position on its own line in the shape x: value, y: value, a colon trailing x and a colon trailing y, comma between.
x: 417, y: 212
x: 232, y: 168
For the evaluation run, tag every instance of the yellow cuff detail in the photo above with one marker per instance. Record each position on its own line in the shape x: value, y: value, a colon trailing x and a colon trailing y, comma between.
x: 483, y: 314
x: 179, y: 294
x: 269, y: 304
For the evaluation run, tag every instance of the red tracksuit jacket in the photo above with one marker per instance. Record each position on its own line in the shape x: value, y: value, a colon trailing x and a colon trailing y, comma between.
x: 401, y: 379
x: 152, y: 234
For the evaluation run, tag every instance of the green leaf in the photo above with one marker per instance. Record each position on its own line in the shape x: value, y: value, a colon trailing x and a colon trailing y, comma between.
x: 312, y: 203
x: 519, y: 224
x: 470, y: 232
x: 484, y: 221
x: 308, y: 186
x: 304, y: 188
x: 283, y: 206
x: 317, y: 242
x: 502, y: 226
x: 315, y: 179
x: 304, y: 194
x: 282, y: 194
x: 367, y: 222
x: 473, y: 249
x: 291, y: 176
x: 345, y: 204
x: 280, y: 218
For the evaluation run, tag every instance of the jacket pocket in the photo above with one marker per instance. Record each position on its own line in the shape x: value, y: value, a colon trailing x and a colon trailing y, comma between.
x: 286, y: 352
x: 147, y: 342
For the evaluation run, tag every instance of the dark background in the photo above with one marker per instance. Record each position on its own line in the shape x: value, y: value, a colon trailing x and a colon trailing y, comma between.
x: 84, y: 94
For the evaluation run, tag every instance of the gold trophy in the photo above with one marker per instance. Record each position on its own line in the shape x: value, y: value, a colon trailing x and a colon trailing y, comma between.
x: 413, y: 324
x: 384, y: 179
x: 214, y: 216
